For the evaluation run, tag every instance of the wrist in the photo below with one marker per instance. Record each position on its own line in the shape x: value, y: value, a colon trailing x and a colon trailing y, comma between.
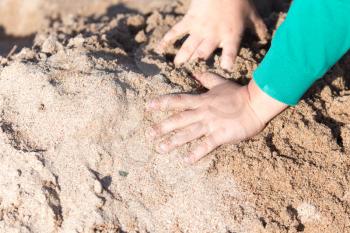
x: 264, y: 106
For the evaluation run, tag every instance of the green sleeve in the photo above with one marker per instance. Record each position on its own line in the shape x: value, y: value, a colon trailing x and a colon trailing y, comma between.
x: 314, y: 36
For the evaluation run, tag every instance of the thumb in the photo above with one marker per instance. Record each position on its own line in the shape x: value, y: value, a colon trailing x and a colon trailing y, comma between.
x: 209, y: 80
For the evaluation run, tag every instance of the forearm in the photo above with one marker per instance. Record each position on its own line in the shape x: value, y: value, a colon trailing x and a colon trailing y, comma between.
x: 315, y: 34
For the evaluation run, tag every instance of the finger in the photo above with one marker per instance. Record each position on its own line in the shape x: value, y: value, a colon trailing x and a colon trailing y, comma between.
x: 187, y: 49
x: 176, y: 121
x: 182, y: 137
x: 210, y: 80
x: 229, y: 53
x: 260, y: 27
x: 205, y: 49
x: 175, y: 32
x: 175, y: 102
x: 205, y: 147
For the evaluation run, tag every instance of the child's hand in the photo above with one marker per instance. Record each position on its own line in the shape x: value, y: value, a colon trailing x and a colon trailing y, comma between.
x: 212, y: 24
x: 227, y: 113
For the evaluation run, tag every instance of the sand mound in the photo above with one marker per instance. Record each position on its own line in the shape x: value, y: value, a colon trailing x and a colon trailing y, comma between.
x: 75, y: 158
x: 74, y: 155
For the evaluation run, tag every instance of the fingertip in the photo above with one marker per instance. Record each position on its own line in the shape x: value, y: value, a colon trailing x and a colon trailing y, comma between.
x: 194, y: 58
x: 188, y: 160
x: 151, y: 133
x: 227, y: 63
x: 262, y: 33
x: 264, y: 36
x: 160, y: 49
x: 151, y: 105
x: 179, y: 60
x: 260, y: 28
x: 229, y: 53
x: 193, y: 157
x: 162, y: 148
x: 187, y: 49
x: 205, y: 49
x: 167, y: 39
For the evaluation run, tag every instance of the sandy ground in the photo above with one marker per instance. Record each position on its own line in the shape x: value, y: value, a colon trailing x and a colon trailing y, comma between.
x: 75, y: 158
x: 21, y: 19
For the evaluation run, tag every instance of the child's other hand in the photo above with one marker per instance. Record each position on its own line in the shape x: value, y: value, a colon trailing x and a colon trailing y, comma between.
x: 212, y: 24
x: 227, y: 113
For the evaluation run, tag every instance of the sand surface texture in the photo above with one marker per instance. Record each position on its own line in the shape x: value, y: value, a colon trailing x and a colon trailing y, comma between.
x: 74, y: 156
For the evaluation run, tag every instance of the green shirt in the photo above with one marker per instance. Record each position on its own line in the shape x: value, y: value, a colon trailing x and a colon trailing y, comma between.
x: 314, y: 36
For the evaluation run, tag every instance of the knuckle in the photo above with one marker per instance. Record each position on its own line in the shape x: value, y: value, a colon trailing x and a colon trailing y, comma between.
x: 184, y: 115
x: 228, y: 55
x: 229, y: 51
x: 178, y: 117
x: 194, y: 129
x: 187, y: 49
x: 169, y: 143
x: 224, y: 131
x: 173, y: 141
x: 207, y: 144
x: 179, y: 134
x: 158, y: 129
x: 202, y: 53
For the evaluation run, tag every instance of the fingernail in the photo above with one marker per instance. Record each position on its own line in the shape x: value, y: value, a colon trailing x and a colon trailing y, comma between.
x: 152, y: 133
x: 177, y: 64
x: 178, y: 61
x: 187, y: 160
x: 159, y: 49
x: 227, y: 65
x: 151, y: 105
x: 162, y: 148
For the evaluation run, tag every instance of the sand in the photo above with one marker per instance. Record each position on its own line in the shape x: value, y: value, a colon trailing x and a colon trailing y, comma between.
x: 75, y: 158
